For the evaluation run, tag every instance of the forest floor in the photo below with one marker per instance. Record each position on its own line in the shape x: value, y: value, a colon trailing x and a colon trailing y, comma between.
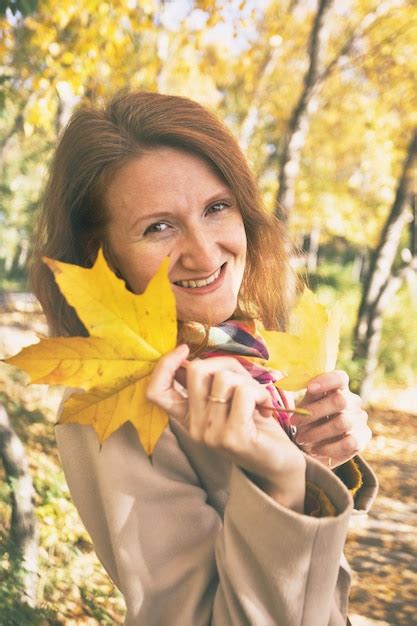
x: 381, y: 546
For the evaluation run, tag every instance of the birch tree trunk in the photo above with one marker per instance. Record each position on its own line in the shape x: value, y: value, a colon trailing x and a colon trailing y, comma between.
x: 23, y: 529
x: 358, y: 266
x: 295, y: 138
x: 380, y: 283
x: 375, y: 325
x: 251, y: 119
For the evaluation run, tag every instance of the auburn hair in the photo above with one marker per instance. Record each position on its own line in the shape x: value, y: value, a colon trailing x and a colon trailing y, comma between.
x: 97, y: 142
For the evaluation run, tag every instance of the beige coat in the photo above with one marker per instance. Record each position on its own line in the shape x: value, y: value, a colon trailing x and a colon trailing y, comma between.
x: 190, y: 540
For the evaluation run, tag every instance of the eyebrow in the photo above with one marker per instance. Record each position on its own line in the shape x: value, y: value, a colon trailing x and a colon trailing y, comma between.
x: 216, y: 197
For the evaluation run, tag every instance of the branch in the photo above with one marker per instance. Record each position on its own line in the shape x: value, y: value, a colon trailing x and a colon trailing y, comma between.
x: 368, y: 24
x: 17, y: 125
x: 388, y: 245
x: 394, y: 283
x: 314, y: 49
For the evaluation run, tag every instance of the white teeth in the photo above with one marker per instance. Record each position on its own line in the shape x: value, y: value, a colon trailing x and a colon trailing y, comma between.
x: 199, y: 283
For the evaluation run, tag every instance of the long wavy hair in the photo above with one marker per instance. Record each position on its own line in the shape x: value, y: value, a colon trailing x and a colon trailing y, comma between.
x: 96, y: 143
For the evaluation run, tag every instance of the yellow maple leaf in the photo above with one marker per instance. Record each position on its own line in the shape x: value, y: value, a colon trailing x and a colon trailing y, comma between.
x: 309, y: 348
x: 128, y: 335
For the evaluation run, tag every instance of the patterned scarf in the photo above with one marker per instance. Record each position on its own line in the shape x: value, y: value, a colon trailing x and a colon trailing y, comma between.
x: 241, y: 338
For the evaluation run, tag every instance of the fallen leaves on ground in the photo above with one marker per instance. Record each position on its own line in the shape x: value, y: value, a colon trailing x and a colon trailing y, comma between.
x: 381, y: 547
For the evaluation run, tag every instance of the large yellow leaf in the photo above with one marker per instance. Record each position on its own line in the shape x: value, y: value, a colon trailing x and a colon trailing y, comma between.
x: 128, y: 335
x: 79, y: 361
x: 106, y: 307
x: 106, y: 411
x: 309, y: 348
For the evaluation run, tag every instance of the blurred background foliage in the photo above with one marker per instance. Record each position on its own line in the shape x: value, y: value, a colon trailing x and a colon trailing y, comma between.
x: 246, y: 60
x: 254, y: 63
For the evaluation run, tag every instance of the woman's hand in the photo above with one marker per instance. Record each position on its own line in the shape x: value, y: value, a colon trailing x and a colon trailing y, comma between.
x: 239, y: 426
x: 337, y: 428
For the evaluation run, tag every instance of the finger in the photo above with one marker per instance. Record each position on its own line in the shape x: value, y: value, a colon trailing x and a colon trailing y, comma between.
x: 164, y: 372
x: 253, y: 396
x: 214, y: 364
x: 224, y: 384
x: 181, y: 373
x: 223, y: 387
x: 333, y: 403
x: 235, y: 432
x: 199, y: 379
x: 335, y: 426
x: 345, y: 448
x: 338, y: 379
x: 217, y: 414
x: 161, y: 389
x: 239, y: 430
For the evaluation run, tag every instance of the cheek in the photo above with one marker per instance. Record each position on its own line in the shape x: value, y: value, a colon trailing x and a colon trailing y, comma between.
x: 137, y: 270
x: 137, y: 280
x: 238, y: 241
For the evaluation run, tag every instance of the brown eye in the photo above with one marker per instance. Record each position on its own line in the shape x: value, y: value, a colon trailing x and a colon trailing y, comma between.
x: 158, y: 227
x: 214, y: 207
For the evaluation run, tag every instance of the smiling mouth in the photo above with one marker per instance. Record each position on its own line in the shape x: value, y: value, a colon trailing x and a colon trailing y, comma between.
x: 193, y: 284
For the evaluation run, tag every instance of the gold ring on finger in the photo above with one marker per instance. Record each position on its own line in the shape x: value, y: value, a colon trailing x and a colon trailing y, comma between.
x: 220, y: 400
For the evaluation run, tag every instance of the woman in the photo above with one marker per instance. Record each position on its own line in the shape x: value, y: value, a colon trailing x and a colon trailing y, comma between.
x: 232, y: 522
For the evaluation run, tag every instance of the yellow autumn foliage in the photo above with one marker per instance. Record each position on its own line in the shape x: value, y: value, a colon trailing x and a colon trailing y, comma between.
x: 128, y: 335
x: 310, y: 347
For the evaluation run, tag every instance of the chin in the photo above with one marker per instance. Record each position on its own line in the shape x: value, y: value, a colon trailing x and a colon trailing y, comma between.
x: 212, y: 318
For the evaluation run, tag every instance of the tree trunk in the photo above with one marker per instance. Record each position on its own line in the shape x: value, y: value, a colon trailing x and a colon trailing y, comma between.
x: 299, y: 121
x: 17, y: 255
x: 23, y: 529
x: 384, y: 255
x: 379, y: 281
x: 313, y: 249
x: 413, y: 225
x: 250, y: 122
x: 375, y: 329
x: 358, y: 265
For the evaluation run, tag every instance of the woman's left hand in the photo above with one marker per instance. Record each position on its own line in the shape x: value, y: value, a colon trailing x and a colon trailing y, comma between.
x: 337, y: 428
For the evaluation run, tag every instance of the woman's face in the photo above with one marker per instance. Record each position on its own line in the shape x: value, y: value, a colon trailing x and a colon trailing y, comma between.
x: 171, y: 203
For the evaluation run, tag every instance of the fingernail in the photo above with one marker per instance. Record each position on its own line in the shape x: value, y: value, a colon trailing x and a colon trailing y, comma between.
x: 300, y: 443
x: 314, y: 387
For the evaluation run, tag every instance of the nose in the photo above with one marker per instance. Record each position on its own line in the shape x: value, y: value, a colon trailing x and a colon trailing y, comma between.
x: 199, y: 250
